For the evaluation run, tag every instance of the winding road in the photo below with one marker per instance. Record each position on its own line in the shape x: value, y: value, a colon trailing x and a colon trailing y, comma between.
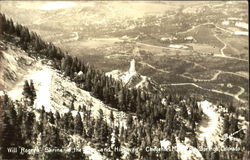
x: 222, y: 51
x: 215, y: 76
x: 225, y: 45
x: 236, y: 96
x: 150, y: 66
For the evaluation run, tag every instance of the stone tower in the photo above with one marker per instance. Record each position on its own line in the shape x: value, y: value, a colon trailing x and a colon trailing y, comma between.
x: 132, y: 67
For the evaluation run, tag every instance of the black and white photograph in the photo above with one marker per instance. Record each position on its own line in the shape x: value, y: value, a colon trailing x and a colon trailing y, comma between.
x: 124, y: 80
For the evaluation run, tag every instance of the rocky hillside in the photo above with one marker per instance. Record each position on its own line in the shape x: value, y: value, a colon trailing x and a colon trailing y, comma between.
x: 54, y: 92
x: 14, y: 63
x: 133, y: 79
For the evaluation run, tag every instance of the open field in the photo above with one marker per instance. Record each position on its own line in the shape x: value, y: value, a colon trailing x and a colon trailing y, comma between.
x: 204, y: 48
x: 202, y: 74
x: 237, y: 46
x: 220, y: 63
x: 204, y: 34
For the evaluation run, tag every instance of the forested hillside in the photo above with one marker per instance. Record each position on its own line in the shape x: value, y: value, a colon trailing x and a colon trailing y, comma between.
x: 152, y: 119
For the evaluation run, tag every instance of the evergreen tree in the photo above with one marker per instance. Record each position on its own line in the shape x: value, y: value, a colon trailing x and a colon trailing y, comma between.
x: 70, y: 123
x: 78, y: 124
x: 247, y: 140
x: 72, y: 106
x: 111, y: 117
x: 55, y: 142
x: 215, y: 156
x: 75, y: 155
x: 26, y: 90
x: 129, y: 120
x: 51, y: 118
x: 29, y: 124
x: 116, y: 150
x: 184, y: 112
x: 7, y: 139
x: 58, y: 119
x: 32, y: 92
x: 100, y: 114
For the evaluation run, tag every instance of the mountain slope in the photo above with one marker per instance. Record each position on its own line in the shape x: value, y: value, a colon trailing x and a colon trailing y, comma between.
x: 14, y: 63
x: 51, y: 89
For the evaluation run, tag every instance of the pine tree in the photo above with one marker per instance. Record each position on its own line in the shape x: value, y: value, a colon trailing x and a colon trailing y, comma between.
x: 100, y: 114
x: 32, y: 92
x: 143, y: 154
x: 75, y: 155
x: 71, y: 123
x: 78, y: 124
x: 184, y: 112
x: 173, y: 155
x: 132, y: 155
x: 129, y: 120
x: 247, y: 140
x: 51, y: 118
x: 182, y: 133
x: 226, y: 124
x: 215, y: 156
x: 42, y: 114
x: 58, y: 118
x: 121, y: 97
x: 29, y: 123
x: 8, y: 138
x: 26, y: 90
x: 11, y: 27
x: 15, y: 127
x: 72, y: 106
x: 55, y: 142
x: 2, y: 23
x: 111, y: 117
x: 116, y: 155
